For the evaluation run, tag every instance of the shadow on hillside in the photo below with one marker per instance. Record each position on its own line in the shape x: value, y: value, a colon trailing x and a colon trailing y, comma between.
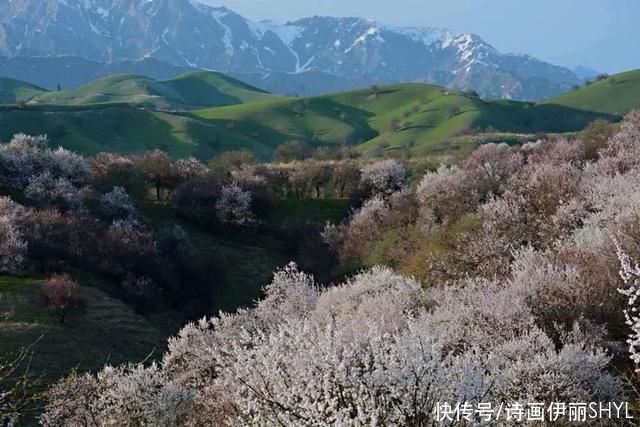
x: 88, y: 131
x: 309, y: 121
x: 198, y: 93
x: 539, y: 118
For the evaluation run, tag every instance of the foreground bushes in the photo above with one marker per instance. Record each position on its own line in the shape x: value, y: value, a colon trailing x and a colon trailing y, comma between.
x: 374, y: 350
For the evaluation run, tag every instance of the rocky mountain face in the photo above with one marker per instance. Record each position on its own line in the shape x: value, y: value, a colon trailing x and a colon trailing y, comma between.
x: 348, y: 51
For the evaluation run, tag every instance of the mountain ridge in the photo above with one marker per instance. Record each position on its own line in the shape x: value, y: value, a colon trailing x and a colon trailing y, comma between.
x: 186, y: 33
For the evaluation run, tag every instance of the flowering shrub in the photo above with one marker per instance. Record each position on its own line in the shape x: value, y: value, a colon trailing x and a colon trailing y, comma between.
x: 234, y: 206
x: 13, y: 247
x: 631, y: 275
x: 383, y: 177
x: 49, y: 191
x: 116, y: 203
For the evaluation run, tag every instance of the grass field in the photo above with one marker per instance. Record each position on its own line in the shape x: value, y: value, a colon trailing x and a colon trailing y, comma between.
x: 320, y: 211
x: 126, y: 129
x: 616, y: 94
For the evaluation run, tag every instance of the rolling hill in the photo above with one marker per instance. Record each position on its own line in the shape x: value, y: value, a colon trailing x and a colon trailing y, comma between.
x: 126, y: 129
x: 419, y: 117
x: 201, y: 114
x: 185, y: 92
x: 616, y: 95
x: 13, y: 91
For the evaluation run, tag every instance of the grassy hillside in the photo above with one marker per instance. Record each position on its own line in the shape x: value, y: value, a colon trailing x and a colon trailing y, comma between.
x: 13, y: 91
x: 126, y: 129
x: 616, y: 94
x: 185, y: 92
x: 419, y: 117
x: 128, y: 113
x: 107, y: 332
x: 313, y: 120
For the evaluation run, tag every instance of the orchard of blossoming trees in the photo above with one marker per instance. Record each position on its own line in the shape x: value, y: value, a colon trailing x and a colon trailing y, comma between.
x: 521, y: 259
x: 508, y: 276
x: 375, y: 350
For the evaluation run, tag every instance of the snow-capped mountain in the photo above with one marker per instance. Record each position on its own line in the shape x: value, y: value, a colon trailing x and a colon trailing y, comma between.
x: 188, y: 33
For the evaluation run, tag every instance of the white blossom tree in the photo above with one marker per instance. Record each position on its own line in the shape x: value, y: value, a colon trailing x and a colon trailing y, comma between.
x: 49, y: 191
x: 116, y: 203
x: 118, y: 396
x: 384, y: 177
x: 63, y: 163
x: 234, y: 206
x: 190, y: 168
x: 630, y: 273
x: 443, y: 195
x: 13, y: 247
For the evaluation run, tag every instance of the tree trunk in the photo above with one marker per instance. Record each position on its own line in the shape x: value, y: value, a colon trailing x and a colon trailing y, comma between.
x: 158, y: 191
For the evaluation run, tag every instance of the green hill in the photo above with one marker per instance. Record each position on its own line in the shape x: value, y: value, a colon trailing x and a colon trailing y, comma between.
x: 13, y: 91
x: 617, y: 94
x: 126, y: 129
x: 201, y: 114
x: 215, y: 89
x: 185, y: 92
x: 419, y: 117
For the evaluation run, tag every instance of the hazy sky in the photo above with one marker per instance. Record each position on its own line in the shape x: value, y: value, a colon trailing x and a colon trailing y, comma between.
x: 601, y: 34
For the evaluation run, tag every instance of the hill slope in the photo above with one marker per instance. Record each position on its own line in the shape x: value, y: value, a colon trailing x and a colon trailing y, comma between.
x: 419, y: 117
x: 13, y: 91
x: 109, y: 331
x: 185, y: 92
x: 126, y: 129
x: 126, y: 113
x: 616, y: 94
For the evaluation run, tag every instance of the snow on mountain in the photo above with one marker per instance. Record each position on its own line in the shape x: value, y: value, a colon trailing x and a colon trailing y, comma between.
x: 189, y: 33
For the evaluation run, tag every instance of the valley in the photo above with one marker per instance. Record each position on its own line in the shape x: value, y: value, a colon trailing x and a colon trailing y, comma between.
x: 219, y: 218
